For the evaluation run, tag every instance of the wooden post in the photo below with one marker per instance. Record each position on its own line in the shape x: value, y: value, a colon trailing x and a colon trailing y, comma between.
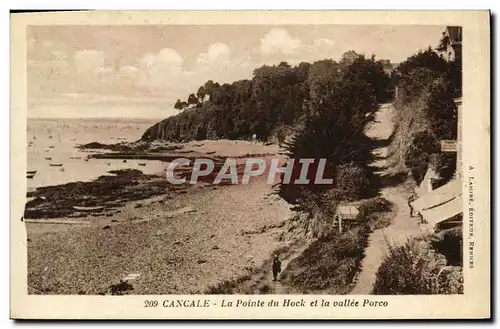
x: 340, y: 224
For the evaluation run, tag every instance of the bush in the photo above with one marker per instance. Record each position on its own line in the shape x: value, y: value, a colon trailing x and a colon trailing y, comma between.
x: 351, y: 181
x: 450, y: 244
x: 331, y: 262
x: 426, y: 112
x: 376, y: 213
x: 417, y: 157
x: 415, y: 269
x: 377, y: 205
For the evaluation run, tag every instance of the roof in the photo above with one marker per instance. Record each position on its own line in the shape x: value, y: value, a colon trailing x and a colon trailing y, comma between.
x: 347, y: 211
x: 439, y: 196
x: 431, y: 174
x: 443, y: 212
x: 455, y: 33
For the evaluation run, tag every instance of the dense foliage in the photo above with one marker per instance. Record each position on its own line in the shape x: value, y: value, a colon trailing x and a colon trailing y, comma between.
x: 277, y: 97
x: 427, y: 86
x: 329, y: 264
x: 341, y: 103
x: 415, y: 268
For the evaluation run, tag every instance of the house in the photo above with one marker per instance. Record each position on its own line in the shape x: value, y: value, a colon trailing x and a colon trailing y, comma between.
x: 345, y: 216
x: 444, y: 216
x: 450, y: 45
x: 428, y: 182
x: 438, y: 196
x: 441, y: 208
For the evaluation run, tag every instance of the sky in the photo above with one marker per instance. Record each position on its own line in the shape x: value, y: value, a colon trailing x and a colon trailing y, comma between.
x: 139, y: 71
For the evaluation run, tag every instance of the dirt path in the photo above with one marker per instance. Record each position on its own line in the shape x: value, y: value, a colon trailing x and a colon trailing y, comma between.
x: 261, y: 280
x: 279, y: 287
x: 402, y: 225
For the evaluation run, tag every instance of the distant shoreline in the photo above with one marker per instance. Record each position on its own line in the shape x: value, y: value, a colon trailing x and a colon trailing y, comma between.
x: 97, y: 118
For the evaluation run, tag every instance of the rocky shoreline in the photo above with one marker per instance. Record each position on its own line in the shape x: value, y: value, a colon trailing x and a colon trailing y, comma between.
x: 177, y: 239
x: 106, y: 195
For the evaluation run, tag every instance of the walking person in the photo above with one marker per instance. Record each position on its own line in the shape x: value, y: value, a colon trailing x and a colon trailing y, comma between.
x: 410, y: 200
x: 254, y: 138
x: 276, y: 267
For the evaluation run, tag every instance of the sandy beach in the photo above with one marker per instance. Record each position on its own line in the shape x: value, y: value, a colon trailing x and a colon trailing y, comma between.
x: 180, y: 241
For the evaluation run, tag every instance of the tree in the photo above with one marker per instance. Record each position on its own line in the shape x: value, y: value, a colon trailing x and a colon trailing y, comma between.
x: 423, y: 59
x: 201, y: 94
x: 178, y: 105
x: 192, y: 100
x: 209, y: 87
x: 349, y: 57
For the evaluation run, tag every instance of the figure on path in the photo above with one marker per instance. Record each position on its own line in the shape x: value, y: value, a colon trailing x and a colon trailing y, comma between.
x: 276, y: 267
x: 254, y: 138
x: 410, y: 200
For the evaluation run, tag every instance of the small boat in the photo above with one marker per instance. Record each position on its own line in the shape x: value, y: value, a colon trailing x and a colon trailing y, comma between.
x: 30, y: 172
x: 48, y: 158
x: 75, y: 157
x: 30, y: 175
x: 50, y: 137
x: 79, y: 208
x: 142, y: 163
x: 51, y: 146
x: 55, y: 164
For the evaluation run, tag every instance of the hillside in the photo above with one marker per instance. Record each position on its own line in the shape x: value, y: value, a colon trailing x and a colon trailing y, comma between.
x: 277, y: 98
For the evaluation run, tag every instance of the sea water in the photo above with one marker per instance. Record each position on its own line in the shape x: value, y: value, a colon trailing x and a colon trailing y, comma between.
x: 58, y: 139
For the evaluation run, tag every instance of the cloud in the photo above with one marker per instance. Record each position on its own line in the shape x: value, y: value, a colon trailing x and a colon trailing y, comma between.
x: 165, y: 58
x: 279, y: 41
x: 88, y: 61
x: 323, y: 43
x: 160, y: 70
x: 129, y: 71
x: 216, y: 53
x: 323, y: 48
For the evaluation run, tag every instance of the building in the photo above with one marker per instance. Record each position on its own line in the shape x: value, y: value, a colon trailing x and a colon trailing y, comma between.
x: 429, y: 182
x: 345, y: 217
x: 450, y: 45
x: 442, y: 207
x: 445, y: 216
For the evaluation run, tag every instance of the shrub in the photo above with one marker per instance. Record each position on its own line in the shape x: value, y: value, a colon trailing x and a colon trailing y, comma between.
x: 415, y: 269
x: 331, y: 262
x: 450, y: 243
x: 351, y: 181
x: 417, y: 157
x: 376, y: 213
x: 377, y: 205
x: 222, y: 288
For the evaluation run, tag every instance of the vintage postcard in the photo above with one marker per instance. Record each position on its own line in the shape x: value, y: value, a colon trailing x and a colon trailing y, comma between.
x: 250, y: 165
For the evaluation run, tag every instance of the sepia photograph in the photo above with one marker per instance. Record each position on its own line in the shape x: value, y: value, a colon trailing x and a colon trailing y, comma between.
x: 246, y: 159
